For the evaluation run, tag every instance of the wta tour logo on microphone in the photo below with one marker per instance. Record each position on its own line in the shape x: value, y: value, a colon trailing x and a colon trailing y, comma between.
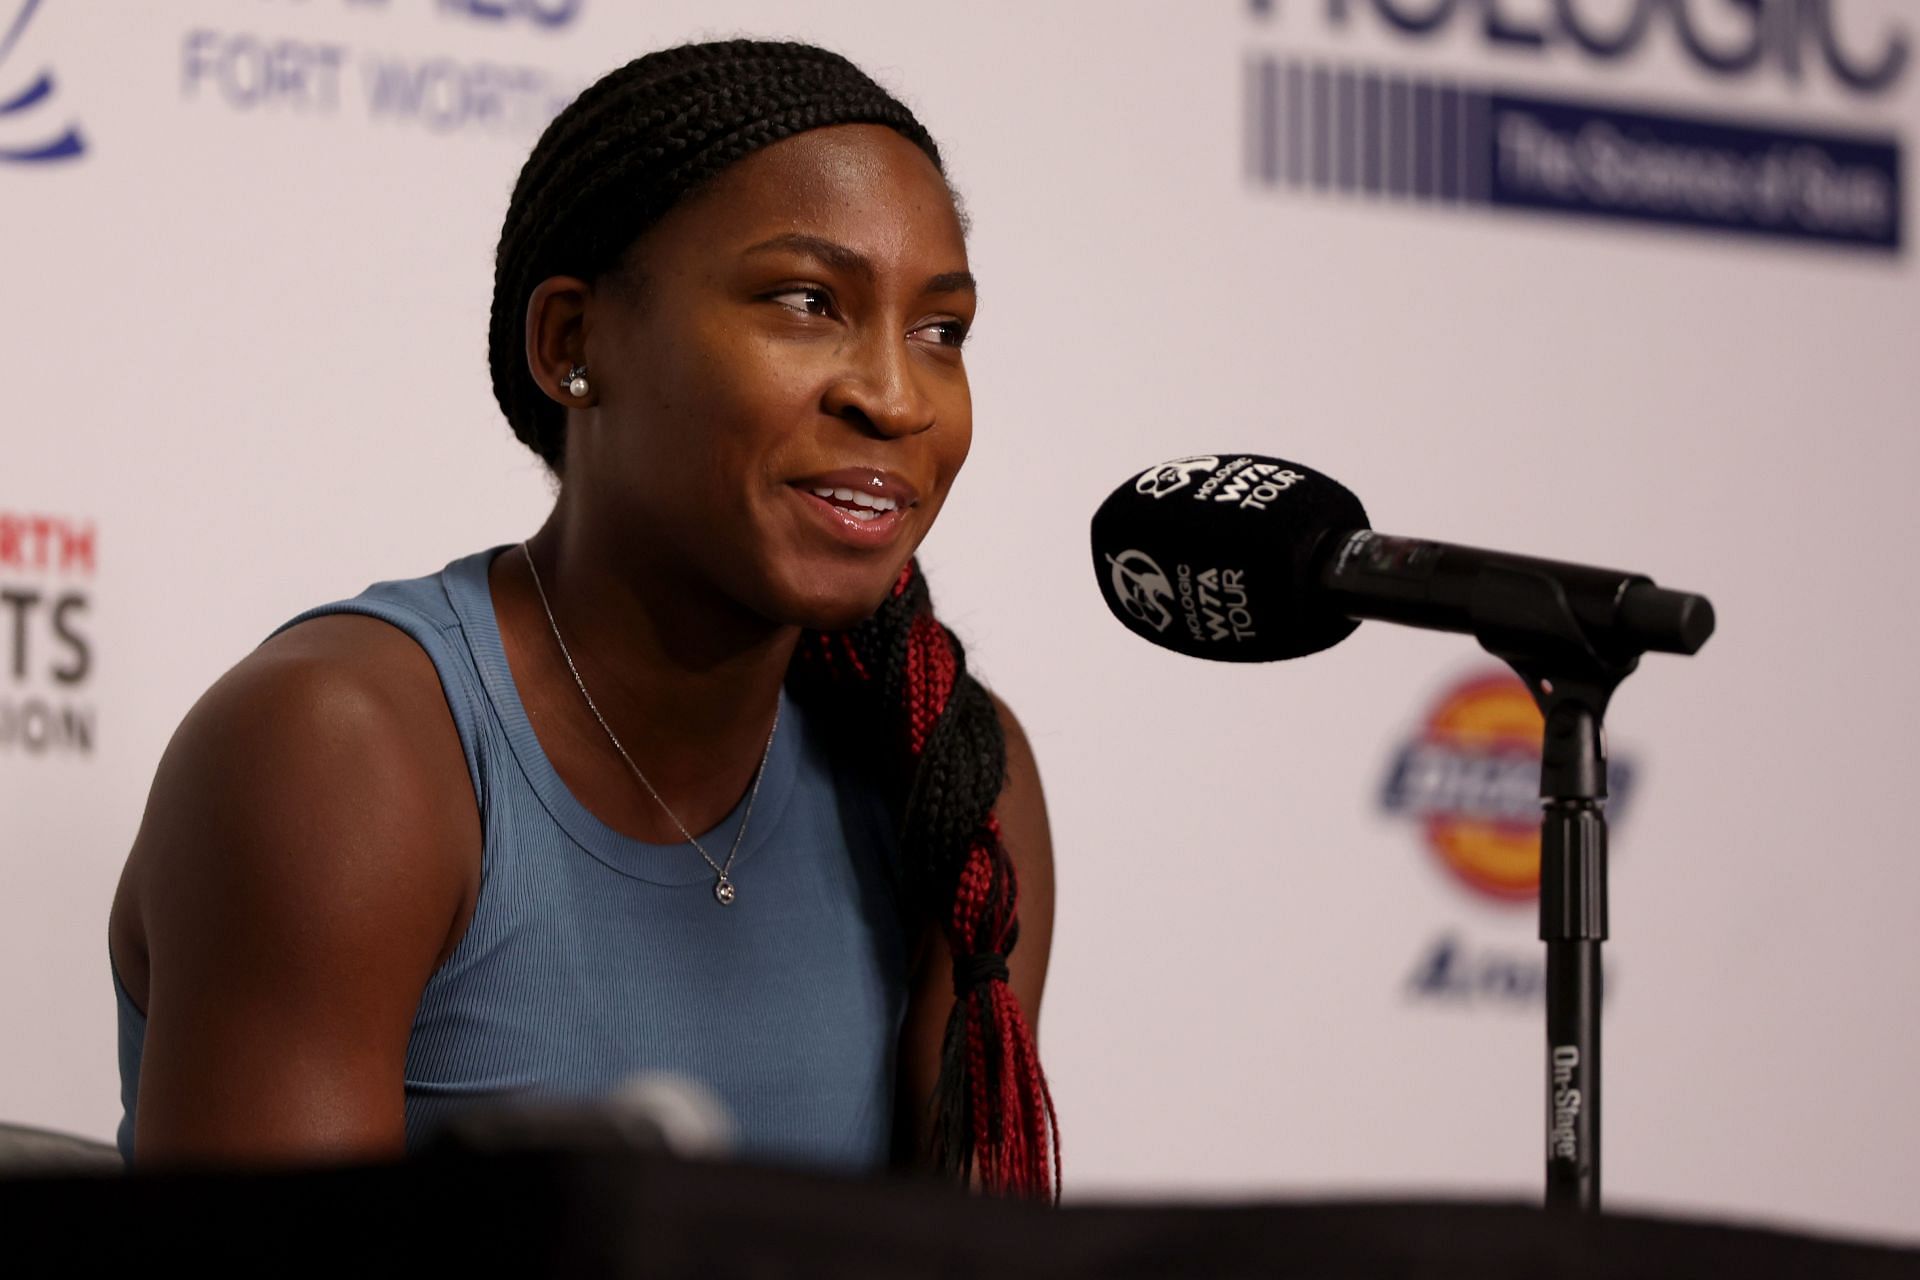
x: 1470, y: 778
x: 1172, y: 477
x: 1142, y: 588
x: 1214, y: 602
x: 1206, y: 555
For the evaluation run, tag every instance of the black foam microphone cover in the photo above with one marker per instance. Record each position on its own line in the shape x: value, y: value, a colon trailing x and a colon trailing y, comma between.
x: 1214, y: 556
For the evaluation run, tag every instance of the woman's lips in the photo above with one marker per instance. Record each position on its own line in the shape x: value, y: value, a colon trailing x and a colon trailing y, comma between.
x: 875, y: 484
x: 864, y: 530
x: 861, y: 506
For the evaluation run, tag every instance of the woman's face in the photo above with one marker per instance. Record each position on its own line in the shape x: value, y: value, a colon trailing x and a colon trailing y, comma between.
x: 795, y: 329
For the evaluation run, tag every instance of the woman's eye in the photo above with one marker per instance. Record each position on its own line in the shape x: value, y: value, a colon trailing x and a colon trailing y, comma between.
x: 954, y: 332
x: 808, y: 298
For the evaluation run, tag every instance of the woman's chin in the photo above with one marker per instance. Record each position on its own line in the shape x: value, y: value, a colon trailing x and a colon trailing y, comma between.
x: 841, y: 617
x: 840, y: 602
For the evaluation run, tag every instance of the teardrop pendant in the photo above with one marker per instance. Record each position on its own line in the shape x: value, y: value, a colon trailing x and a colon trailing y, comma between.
x: 723, y: 890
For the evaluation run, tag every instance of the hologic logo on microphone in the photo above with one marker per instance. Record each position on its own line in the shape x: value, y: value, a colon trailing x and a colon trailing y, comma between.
x: 1215, y: 604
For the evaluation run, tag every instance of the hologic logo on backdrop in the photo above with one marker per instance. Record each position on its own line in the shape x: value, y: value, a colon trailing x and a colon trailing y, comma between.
x: 1391, y: 134
x: 27, y: 135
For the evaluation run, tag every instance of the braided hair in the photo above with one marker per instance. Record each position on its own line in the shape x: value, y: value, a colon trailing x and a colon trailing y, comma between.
x: 609, y: 167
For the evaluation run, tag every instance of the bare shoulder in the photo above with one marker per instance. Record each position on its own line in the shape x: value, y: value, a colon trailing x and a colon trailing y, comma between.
x: 334, y: 728
x: 1023, y: 804
x: 1028, y: 840
x: 307, y: 854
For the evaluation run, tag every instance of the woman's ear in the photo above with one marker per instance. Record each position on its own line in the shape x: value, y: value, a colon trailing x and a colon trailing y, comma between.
x: 556, y: 339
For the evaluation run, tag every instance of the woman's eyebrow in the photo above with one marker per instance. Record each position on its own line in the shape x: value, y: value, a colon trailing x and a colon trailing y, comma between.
x: 951, y: 282
x: 853, y: 262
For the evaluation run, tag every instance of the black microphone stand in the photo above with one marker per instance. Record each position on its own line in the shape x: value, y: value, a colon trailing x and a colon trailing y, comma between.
x: 1525, y: 620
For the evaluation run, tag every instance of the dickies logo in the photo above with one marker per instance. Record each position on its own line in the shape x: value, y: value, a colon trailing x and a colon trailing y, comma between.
x: 32, y: 128
x: 1470, y: 777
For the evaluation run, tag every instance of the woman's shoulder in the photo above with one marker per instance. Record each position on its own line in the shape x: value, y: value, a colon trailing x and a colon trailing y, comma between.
x: 325, y: 705
x: 423, y: 607
x: 306, y: 860
x: 1021, y: 801
x: 336, y: 706
x: 1026, y: 833
x: 337, y: 691
x: 322, y: 768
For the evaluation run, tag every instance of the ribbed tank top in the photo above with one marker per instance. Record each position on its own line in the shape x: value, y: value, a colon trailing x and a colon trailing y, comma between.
x: 592, y: 956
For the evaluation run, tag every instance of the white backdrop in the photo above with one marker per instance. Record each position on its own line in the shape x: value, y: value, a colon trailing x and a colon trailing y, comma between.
x: 244, y: 344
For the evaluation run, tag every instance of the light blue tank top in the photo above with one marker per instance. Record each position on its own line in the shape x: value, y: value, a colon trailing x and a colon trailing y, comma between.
x: 592, y: 957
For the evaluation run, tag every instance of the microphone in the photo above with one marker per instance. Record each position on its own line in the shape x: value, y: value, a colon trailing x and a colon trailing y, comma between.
x: 1245, y: 558
x: 652, y: 1111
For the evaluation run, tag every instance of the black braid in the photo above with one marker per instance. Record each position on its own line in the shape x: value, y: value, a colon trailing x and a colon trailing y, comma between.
x: 887, y: 670
x: 632, y: 146
x: 943, y: 796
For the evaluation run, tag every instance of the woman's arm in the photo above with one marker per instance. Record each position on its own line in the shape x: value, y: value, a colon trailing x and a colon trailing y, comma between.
x: 308, y: 855
x: 1023, y: 830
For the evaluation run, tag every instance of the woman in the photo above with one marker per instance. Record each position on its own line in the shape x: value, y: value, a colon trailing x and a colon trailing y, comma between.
x: 437, y: 843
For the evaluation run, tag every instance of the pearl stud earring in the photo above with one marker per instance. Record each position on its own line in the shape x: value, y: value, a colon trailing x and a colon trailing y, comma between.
x: 577, y: 380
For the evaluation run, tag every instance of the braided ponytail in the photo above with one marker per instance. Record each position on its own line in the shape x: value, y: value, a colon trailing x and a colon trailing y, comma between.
x: 992, y: 1107
x: 610, y: 166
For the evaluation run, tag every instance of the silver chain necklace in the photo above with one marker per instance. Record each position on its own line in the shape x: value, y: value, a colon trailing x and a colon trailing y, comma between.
x: 723, y: 887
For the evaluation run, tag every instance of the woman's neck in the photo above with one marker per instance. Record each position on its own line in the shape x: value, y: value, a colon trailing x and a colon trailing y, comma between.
x: 687, y: 679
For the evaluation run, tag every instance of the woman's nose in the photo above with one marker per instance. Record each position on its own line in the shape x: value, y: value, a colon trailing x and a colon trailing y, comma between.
x: 877, y: 388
